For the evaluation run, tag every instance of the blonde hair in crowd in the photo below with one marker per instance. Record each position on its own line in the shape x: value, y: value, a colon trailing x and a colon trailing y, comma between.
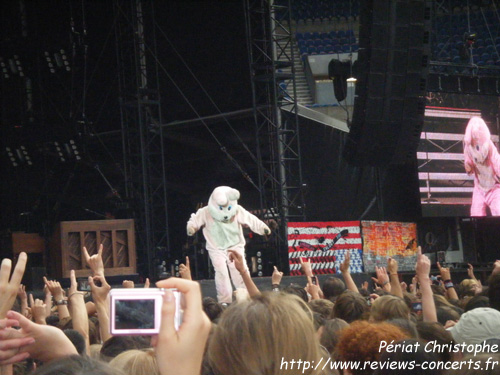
x: 389, y: 307
x: 468, y: 287
x: 253, y: 337
x: 136, y: 362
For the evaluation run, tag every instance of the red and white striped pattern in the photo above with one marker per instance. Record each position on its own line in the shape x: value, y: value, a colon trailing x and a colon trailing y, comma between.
x: 324, y: 245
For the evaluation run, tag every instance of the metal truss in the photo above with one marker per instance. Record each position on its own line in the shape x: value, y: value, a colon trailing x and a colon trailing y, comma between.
x: 140, y: 105
x: 269, y: 40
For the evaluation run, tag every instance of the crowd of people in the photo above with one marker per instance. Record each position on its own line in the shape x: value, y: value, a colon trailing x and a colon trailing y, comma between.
x: 434, y: 325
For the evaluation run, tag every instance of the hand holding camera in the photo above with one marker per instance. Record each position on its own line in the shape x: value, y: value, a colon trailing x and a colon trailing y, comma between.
x: 180, y: 352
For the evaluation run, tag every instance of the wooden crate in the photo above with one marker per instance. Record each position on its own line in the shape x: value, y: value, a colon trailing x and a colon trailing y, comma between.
x: 116, y: 236
x: 27, y: 242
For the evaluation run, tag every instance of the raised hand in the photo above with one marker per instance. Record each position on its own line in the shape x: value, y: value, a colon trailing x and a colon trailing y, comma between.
x: 9, y: 285
x: 99, y: 292
x: 276, y: 276
x: 128, y: 284
x: 48, y: 300
x: 344, y: 266
x: 404, y: 287
x: 392, y: 266
x: 185, y: 270
x: 237, y: 259
x: 312, y: 289
x: 239, y: 264
x: 55, y: 289
x: 306, y: 266
x: 49, y: 342
x: 78, y: 310
x: 10, y: 346
x: 470, y: 271
x: 413, y: 285
x: 59, y: 299
x: 21, y: 292
x: 445, y: 272
x: 23, y: 297
x: 73, y: 288
x: 95, y: 261
x: 38, y: 310
x: 423, y: 266
x: 381, y: 278
x: 496, y: 267
x: 364, y: 285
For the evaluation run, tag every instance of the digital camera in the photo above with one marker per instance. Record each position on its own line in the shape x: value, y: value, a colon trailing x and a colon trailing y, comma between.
x: 137, y: 311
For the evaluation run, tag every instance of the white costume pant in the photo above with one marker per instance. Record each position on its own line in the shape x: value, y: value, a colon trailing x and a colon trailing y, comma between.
x: 221, y: 263
x: 481, y: 200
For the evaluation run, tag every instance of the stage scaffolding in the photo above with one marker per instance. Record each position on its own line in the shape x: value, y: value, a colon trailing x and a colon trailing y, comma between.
x: 140, y: 107
x: 269, y: 39
x: 274, y: 109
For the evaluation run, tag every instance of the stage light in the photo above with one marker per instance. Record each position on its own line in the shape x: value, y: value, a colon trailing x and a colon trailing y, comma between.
x: 4, y: 69
x: 18, y: 156
x: 64, y: 57
x: 65, y: 60
x: 57, y: 60
x: 19, y: 66
x: 59, y: 151
x: 15, y: 67
x: 259, y: 263
x: 11, y: 156
x: 49, y: 62
x: 177, y: 274
x: 72, y: 149
x: 67, y: 150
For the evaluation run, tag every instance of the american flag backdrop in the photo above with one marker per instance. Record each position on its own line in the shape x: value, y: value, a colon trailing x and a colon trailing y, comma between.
x: 325, y: 244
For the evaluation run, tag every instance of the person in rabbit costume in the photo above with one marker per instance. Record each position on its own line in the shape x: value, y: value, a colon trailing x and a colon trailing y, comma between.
x: 482, y: 160
x: 222, y: 221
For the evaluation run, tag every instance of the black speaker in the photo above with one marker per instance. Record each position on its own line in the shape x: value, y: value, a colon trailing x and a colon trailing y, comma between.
x: 393, y: 59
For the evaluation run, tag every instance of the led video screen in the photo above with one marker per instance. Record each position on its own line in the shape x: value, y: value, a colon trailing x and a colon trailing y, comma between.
x: 458, y: 160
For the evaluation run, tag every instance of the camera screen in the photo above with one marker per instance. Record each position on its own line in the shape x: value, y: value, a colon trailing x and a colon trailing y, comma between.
x: 135, y: 314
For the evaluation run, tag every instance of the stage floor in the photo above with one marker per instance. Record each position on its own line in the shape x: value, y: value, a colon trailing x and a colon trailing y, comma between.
x: 264, y: 283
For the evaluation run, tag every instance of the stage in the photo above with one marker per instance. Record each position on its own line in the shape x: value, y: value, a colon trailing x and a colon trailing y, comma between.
x: 264, y: 283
